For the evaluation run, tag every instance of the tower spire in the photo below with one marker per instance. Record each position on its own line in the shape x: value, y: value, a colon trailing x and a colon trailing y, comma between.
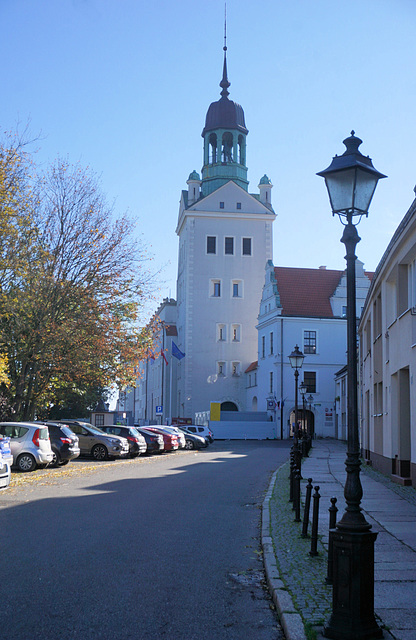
x: 224, y: 82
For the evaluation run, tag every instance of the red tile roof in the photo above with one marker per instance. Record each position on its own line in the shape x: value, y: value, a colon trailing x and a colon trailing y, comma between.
x: 252, y: 366
x: 306, y: 292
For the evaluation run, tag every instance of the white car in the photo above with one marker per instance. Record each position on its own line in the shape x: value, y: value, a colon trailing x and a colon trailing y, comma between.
x: 6, y: 461
x: 29, y: 443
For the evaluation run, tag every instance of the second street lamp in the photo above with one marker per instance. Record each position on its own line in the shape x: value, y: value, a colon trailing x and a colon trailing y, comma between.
x: 296, y: 360
x: 351, y: 180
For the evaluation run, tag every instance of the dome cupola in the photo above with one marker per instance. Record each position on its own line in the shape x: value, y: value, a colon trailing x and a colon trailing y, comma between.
x: 224, y: 141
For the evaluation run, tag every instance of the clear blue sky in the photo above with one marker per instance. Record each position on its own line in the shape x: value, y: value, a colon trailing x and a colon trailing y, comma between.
x: 124, y: 85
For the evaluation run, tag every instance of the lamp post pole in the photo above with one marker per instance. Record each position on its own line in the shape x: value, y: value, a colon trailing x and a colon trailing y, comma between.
x: 310, y: 400
x: 351, y: 180
x: 296, y: 360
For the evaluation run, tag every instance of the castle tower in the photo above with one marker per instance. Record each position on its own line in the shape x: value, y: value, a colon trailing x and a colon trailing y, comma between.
x: 225, y: 240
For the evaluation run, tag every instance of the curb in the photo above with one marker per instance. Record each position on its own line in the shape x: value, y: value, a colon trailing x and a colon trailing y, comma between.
x: 290, y: 619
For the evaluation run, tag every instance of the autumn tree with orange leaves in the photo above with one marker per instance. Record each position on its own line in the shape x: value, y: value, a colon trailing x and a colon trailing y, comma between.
x: 71, y: 292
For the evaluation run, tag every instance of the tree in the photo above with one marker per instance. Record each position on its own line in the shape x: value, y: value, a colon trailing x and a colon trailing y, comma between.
x: 70, y: 306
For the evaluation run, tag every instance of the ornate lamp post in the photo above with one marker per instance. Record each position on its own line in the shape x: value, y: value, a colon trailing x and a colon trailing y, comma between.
x: 351, y: 181
x: 296, y: 360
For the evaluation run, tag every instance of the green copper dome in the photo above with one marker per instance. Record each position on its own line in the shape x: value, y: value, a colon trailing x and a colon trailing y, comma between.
x: 194, y: 175
x: 265, y: 180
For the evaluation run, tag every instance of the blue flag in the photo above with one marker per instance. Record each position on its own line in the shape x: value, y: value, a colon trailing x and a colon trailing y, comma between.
x: 176, y: 352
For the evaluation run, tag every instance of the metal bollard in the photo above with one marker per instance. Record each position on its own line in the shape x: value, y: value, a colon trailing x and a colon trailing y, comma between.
x: 292, y: 467
x: 304, y: 533
x: 315, y: 518
x: 296, y: 492
x: 332, y: 524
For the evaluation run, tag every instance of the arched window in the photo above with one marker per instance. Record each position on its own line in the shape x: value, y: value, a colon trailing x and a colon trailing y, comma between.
x: 213, y: 148
x: 241, y: 150
x: 227, y: 147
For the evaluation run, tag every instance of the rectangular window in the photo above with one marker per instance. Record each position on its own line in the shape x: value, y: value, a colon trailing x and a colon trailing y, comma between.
x: 246, y: 246
x: 271, y: 343
x: 221, y: 205
x: 221, y: 368
x: 237, y: 288
x: 99, y: 420
x: 271, y: 382
x: 309, y: 342
x: 221, y: 333
x: 263, y: 346
x: 217, y: 289
x: 235, y: 332
x: 211, y: 244
x: 235, y: 368
x: 229, y: 246
x: 309, y: 378
x: 238, y: 205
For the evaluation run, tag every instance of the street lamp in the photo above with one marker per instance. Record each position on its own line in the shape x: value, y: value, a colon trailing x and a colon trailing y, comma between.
x: 296, y: 360
x: 351, y: 181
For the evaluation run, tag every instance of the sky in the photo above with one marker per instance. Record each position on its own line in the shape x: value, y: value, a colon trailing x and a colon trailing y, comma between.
x: 123, y: 87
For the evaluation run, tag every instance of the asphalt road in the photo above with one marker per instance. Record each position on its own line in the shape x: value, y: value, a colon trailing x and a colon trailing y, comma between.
x: 161, y: 547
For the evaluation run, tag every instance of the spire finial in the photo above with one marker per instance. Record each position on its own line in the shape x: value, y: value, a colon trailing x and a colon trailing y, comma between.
x: 224, y: 82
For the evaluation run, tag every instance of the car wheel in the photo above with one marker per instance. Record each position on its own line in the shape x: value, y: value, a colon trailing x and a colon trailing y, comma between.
x: 189, y: 444
x: 62, y: 463
x: 99, y: 452
x: 56, y: 460
x: 26, y: 462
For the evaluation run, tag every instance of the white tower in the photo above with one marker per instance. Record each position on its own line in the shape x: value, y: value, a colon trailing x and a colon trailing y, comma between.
x: 225, y: 240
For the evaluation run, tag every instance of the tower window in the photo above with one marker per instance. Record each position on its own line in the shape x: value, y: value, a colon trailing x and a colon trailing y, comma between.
x: 211, y: 244
x: 238, y: 205
x: 221, y: 333
x: 215, y: 288
x: 235, y: 332
x: 246, y: 246
x: 229, y: 246
x: 221, y: 205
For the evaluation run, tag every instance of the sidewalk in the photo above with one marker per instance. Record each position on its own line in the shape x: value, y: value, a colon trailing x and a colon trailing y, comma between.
x: 297, y: 580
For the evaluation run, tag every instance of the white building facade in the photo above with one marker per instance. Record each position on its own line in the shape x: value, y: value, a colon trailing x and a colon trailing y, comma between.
x: 388, y: 358
x: 304, y: 307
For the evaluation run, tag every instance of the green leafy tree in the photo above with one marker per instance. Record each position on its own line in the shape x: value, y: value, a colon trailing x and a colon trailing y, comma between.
x: 71, y: 302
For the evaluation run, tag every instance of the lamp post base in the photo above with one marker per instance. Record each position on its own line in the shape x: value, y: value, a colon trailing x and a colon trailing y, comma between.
x: 353, y: 587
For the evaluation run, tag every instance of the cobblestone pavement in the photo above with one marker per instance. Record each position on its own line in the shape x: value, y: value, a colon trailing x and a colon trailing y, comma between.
x: 302, y: 574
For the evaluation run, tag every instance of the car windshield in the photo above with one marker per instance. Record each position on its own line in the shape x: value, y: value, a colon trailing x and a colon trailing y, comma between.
x: 95, y: 430
x: 134, y: 432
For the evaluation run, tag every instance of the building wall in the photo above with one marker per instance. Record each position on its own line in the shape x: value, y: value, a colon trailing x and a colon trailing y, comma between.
x: 388, y: 358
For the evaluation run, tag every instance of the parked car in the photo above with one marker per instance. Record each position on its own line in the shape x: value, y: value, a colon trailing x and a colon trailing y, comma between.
x: 6, y: 461
x: 193, y: 441
x: 154, y: 441
x: 29, y: 444
x: 64, y: 443
x: 170, y: 440
x: 175, y: 431
x: 97, y: 443
x: 137, y: 443
x: 199, y: 430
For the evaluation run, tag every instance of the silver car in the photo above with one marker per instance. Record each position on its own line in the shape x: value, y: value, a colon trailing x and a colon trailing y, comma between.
x: 29, y: 444
x: 93, y: 441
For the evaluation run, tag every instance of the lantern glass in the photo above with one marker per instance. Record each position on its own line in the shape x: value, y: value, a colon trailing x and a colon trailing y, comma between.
x: 296, y: 358
x: 303, y: 389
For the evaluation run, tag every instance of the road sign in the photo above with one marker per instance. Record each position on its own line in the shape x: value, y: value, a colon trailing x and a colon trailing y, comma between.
x: 159, y: 410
